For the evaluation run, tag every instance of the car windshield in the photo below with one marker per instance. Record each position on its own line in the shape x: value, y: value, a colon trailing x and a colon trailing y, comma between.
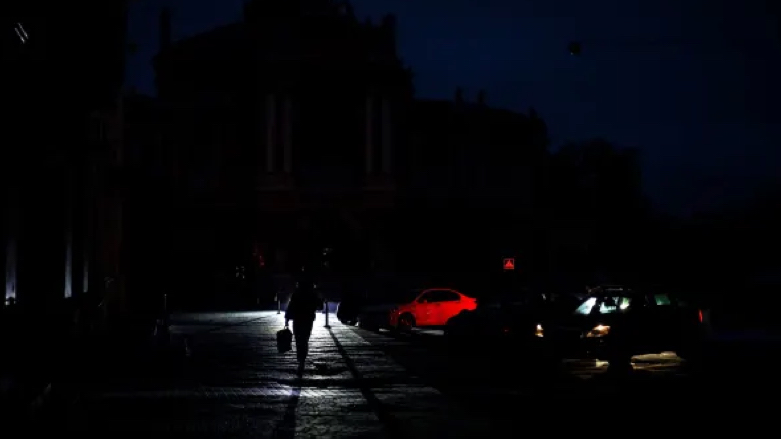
x: 607, y: 304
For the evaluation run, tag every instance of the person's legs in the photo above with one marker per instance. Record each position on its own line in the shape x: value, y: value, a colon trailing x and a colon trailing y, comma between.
x: 298, y: 333
x: 302, y: 329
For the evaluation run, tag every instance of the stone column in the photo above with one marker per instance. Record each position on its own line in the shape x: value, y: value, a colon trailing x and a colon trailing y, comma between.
x: 387, y: 145
x: 369, y: 134
x: 271, y: 126
x: 288, y: 135
x: 87, y: 230
x: 10, y: 253
x: 68, y: 284
x: 85, y: 267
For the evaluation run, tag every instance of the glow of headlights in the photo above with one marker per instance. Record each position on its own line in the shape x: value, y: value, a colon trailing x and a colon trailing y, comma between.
x: 598, y: 331
x: 538, y: 331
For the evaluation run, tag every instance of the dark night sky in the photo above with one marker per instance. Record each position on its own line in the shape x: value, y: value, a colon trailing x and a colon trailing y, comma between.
x: 688, y: 82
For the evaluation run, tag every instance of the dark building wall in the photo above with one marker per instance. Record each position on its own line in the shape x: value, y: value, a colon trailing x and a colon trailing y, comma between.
x: 470, y: 183
x: 69, y: 65
x: 325, y: 84
x: 272, y: 122
x: 285, y: 70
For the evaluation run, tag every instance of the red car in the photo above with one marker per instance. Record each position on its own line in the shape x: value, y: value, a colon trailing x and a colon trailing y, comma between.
x: 432, y: 307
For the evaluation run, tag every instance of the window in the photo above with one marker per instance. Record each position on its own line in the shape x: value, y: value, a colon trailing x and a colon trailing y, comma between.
x: 662, y: 300
x: 613, y: 304
x: 406, y: 297
x: 585, y: 307
x: 442, y: 296
x: 607, y: 305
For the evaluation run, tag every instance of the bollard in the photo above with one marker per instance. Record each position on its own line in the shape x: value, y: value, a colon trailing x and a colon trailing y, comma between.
x: 165, y: 309
x: 325, y: 310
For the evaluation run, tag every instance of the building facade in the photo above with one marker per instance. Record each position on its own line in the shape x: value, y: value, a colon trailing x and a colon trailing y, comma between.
x: 62, y: 212
x: 472, y: 188
x: 282, y: 130
x: 293, y: 136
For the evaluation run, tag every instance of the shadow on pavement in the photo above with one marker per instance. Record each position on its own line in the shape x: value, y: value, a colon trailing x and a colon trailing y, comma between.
x: 376, y: 406
x: 286, y: 428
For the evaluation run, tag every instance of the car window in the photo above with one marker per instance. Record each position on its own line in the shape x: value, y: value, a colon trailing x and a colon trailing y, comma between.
x: 586, y: 307
x: 606, y: 306
x: 407, y: 296
x: 442, y: 296
x: 425, y: 297
x: 611, y: 304
x: 662, y: 300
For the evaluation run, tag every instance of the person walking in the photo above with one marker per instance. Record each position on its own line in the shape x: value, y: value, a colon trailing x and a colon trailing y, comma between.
x: 304, y: 304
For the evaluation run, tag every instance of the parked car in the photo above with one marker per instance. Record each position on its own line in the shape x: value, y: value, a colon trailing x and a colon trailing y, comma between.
x: 617, y: 323
x: 503, y: 324
x: 374, y: 311
x: 373, y: 314
x: 348, y: 309
x: 430, y: 307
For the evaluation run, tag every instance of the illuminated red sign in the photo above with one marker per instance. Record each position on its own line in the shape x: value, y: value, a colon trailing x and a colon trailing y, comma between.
x: 509, y: 263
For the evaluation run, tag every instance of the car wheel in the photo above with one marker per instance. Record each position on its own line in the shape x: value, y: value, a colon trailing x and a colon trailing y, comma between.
x: 406, y: 322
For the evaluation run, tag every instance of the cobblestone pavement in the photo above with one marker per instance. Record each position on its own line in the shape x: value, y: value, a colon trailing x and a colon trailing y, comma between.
x: 233, y: 383
x: 500, y: 389
x: 662, y: 394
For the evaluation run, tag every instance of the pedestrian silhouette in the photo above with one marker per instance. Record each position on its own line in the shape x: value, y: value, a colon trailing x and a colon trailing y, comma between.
x: 302, y: 308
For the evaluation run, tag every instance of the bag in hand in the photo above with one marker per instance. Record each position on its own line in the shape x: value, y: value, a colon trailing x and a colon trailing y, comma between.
x: 284, y: 340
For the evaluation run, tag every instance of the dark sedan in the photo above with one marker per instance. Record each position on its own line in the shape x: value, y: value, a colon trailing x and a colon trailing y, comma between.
x: 617, y: 323
x: 502, y: 322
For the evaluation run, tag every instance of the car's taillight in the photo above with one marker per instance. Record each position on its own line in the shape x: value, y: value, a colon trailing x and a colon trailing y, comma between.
x: 699, y: 315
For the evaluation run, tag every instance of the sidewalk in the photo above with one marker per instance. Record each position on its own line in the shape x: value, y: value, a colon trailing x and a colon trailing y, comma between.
x: 30, y: 348
x: 47, y: 364
x: 234, y: 383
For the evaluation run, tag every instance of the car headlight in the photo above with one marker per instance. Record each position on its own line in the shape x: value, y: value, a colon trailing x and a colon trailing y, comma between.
x: 538, y: 332
x: 598, y: 331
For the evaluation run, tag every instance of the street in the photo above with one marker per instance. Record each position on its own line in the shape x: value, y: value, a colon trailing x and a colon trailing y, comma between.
x: 231, y: 382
